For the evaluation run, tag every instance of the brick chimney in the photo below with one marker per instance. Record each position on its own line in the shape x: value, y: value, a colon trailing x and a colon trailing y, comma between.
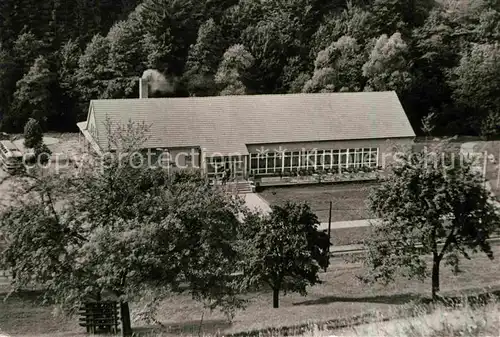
x: 143, y: 88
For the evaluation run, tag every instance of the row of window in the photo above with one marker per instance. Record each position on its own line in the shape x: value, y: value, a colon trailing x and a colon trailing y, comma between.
x: 272, y: 163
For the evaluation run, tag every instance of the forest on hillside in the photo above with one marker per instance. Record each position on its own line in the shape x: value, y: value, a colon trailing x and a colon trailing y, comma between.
x: 442, y: 58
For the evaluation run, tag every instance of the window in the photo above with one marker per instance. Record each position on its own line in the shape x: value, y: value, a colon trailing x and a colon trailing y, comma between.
x: 253, y: 162
x: 270, y: 163
x: 355, y: 158
x: 337, y: 159
x: 287, y: 165
x: 370, y: 157
x: 214, y: 165
x: 262, y: 162
x: 327, y: 159
x: 217, y: 165
x: 278, y: 161
x: 295, y: 159
x: 343, y: 158
x: 320, y: 159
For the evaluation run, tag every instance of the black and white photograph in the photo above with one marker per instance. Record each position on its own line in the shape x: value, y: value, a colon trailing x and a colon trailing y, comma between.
x: 250, y: 168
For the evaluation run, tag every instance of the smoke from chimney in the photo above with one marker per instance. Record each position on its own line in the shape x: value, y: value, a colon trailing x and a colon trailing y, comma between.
x: 157, y: 81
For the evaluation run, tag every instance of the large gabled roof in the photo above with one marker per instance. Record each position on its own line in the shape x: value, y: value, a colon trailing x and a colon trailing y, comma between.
x: 226, y: 124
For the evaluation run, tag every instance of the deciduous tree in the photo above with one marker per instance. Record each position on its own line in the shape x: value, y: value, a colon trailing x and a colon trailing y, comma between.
x: 338, y: 68
x: 27, y: 48
x: 125, y: 229
x: 231, y: 73
x: 432, y: 203
x: 283, y: 250
x: 387, y: 67
x: 353, y: 21
x: 474, y: 81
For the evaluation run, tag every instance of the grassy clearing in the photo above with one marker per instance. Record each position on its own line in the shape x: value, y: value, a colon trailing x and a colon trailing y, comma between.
x: 23, y: 314
x: 349, y: 236
x: 341, y: 296
x: 349, y: 200
x: 468, y: 320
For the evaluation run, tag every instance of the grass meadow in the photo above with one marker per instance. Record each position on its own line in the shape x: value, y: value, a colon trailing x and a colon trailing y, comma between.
x: 338, y: 302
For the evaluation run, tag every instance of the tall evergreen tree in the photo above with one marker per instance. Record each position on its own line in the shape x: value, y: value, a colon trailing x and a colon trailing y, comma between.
x: 9, y: 22
x: 272, y: 40
x: 125, y: 59
x: 69, y: 54
x: 33, y: 97
x: 93, y: 71
x: 33, y: 134
x: 175, y: 21
x: 399, y: 15
x: 203, y: 59
x: 9, y: 73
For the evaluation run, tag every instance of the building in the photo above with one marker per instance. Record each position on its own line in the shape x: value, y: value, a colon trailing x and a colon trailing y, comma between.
x: 258, y: 135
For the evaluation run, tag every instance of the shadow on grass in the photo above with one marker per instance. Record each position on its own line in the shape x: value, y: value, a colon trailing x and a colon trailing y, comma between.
x: 471, y: 296
x: 388, y: 299
x: 25, y: 295
x: 184, y: 328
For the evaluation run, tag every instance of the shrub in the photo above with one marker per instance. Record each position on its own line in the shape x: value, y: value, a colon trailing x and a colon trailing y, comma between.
x: 33, y: 135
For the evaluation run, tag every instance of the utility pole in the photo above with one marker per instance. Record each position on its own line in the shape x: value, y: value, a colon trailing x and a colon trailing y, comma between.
x: 329, y: 230
x: 330, y: 225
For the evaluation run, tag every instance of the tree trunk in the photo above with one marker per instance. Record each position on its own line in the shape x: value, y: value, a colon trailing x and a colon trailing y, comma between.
x: 276, y: 299
x: 435, y: 277
x: 125, y: 317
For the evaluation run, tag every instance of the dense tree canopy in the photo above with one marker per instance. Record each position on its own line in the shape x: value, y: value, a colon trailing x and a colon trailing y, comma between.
x: 429, y: 52
x: 203, y: 60
x: 233, y: 70
x: 338, y: 67
x: 433, y: 203
x: 33, y: 95
x: 472, y: 82
x: 283, y: 250
x: 123, y: 229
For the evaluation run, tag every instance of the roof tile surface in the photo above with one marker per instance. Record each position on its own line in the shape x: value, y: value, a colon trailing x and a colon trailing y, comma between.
x: 226, y: 124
